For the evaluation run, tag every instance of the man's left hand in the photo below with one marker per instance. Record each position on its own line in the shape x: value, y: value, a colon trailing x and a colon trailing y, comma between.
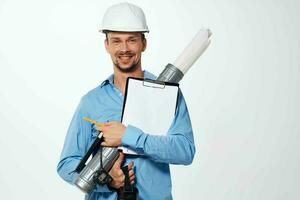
x: 112, y: 133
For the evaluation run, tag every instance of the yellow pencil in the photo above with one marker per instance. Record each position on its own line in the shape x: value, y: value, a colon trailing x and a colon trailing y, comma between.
x: 93, y: 122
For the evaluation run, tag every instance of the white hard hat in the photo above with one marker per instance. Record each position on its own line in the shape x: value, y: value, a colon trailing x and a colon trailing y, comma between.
x: 124, y: 17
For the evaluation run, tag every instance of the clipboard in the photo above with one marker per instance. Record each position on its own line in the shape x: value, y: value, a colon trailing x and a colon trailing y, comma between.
x: 150, y: 106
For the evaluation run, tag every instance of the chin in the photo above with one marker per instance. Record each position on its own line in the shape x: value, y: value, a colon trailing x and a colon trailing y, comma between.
x: 127, y: 68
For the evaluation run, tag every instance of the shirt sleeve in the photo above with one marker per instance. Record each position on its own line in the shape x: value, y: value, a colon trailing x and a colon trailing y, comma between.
x: 75, y: 146
x: 177, y: 147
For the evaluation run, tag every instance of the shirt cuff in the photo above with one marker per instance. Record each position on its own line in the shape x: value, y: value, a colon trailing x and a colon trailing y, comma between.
x: 134, y: 138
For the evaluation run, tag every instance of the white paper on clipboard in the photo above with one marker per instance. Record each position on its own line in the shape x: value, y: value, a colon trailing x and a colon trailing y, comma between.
x: 149, y: 106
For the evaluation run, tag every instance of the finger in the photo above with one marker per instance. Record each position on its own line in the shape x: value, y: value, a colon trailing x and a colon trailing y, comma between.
x: 100, y: 127
x: 120, y: 174
x: 130, y: 173
x: 120, y: 159
x: 115, y: 172
x: 119, y: 180
x: 112, y: 174
x: 132, y: 179
x: 107, y: 141
x: 112, y: 123
x: 105, y: 144
x: 108, y: 123
x: 130, y: 165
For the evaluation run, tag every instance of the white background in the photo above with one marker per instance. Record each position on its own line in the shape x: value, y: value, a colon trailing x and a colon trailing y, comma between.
x: 242, y: 94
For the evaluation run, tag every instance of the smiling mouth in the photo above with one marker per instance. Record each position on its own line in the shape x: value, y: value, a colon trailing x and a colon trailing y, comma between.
x: 125, y: 58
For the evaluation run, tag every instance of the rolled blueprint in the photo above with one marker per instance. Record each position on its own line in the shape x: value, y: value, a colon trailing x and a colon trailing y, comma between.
x: 175, y: 72
x: 193, y: 51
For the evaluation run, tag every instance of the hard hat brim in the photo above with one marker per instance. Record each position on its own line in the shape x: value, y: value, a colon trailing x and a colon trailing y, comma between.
x: 105, y: 30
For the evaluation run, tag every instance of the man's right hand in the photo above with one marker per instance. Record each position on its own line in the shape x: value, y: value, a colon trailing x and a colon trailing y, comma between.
x: 117, y: 174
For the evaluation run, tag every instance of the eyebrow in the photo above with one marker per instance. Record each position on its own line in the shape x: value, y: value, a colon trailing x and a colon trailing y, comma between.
x: 117, y: 38
x: 136, y: 36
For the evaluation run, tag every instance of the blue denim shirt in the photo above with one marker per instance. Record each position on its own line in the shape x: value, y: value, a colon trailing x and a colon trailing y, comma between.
x: 152, y: 172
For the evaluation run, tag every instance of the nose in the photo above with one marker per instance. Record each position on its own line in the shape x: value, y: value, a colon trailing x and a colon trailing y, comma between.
x: 124, y: 47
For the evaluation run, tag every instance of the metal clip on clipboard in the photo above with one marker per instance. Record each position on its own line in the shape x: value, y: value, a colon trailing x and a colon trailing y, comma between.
x: 154, y: 84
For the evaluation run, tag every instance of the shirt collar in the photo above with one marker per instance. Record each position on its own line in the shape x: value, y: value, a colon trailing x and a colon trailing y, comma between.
x: 110, y: 79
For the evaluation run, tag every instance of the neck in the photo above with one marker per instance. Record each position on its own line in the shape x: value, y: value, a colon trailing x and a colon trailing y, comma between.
x: 121, y: 77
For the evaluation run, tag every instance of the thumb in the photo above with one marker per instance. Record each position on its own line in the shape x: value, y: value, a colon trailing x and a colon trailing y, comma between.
x: 120, y: 159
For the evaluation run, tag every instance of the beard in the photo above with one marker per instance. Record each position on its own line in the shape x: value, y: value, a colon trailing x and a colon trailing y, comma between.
x: 132, y: 68
x: 129, y: 69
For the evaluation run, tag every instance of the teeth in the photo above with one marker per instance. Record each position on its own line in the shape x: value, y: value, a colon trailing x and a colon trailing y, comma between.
x: 125, y: 57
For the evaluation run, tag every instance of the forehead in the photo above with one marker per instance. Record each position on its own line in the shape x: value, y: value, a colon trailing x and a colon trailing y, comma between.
x: 123, y: 35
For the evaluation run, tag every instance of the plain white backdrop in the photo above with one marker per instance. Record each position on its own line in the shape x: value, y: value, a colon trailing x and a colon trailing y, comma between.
x: 242, y: 94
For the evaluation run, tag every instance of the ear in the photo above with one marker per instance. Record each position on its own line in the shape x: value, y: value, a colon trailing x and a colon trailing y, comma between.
x: 144, y: 44
x: 106, y: 45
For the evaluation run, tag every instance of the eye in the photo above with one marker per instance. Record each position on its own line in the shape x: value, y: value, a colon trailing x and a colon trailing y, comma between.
x: 132, y: 40
x: 115, y: 41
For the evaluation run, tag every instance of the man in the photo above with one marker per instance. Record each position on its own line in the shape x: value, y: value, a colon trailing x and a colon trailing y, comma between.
x: 124, y: 25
